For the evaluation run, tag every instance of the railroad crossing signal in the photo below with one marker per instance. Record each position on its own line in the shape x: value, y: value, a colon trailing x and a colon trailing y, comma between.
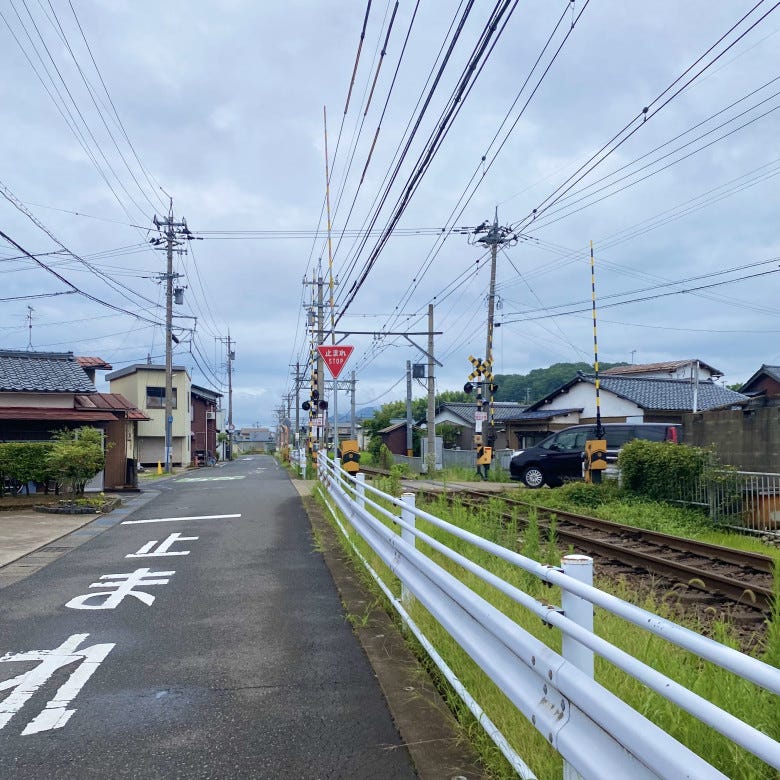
x: 482, y: 368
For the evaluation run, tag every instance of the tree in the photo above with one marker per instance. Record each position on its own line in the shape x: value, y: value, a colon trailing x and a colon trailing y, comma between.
x: 75, y: 457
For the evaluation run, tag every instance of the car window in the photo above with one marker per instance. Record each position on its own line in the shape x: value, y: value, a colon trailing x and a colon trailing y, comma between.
x: 616, y: 437
x: 571, y: 440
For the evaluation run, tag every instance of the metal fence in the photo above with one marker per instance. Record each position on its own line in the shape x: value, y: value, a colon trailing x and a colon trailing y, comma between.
x: 466, y: 459
x: 597, y: 734
x: 748, y: 500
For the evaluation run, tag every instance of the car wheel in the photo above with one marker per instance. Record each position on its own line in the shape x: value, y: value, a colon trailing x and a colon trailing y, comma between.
x: 533, y: 477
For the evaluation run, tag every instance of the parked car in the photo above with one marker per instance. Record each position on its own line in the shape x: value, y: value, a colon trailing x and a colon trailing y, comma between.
x: 559, y: 456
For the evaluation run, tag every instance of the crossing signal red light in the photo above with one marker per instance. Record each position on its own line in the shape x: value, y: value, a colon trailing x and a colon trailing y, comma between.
x: 306, y: 406
x: 468, y: 387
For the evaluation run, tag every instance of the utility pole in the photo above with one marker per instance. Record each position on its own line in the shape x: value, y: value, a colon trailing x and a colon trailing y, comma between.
x: 231, y: 356
x: 173, y: 236
x: 431, y: 416
x: 352, y: 417
x: 409, y: 443
x: 494, y: 237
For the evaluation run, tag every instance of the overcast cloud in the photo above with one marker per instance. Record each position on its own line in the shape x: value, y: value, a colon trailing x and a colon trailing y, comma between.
x: 223, y: 104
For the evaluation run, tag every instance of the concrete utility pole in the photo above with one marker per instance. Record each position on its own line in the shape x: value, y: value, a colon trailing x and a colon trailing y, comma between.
x: 431, y: 416
x: 352, y: 414
x: 173, y: 235
x: 231, y: 356
x: 495, y: 237
x: 409, y: 441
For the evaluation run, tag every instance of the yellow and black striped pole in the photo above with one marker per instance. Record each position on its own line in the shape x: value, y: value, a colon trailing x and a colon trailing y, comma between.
x: 599, y: 428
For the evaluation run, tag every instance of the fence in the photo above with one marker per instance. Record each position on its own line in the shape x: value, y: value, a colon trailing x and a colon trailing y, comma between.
x: 748, y: 500
x: 597, y: 734
x: 466, y: 459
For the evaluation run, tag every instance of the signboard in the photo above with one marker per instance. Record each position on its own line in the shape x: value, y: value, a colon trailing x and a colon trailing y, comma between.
x: 481, y: 416
x: 335, y: 357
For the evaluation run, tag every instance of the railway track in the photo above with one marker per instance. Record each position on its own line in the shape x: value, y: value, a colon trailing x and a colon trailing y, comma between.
x: 720, y: 577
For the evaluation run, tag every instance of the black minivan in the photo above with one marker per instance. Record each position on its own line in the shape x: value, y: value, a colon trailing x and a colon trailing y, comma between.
x: 559, y: 456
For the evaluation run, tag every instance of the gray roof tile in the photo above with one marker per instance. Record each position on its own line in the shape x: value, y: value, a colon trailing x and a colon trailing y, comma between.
x: 662, y: 394
x: 42, y: 372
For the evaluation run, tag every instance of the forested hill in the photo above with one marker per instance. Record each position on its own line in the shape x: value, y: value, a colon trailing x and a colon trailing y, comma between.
x: 530, y: 387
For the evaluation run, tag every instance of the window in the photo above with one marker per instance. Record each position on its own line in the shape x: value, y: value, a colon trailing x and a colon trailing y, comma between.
x: 155, y: 398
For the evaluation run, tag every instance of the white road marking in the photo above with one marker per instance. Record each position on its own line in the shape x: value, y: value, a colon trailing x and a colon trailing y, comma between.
x: 174, y: 519
x: 124, y: 584
x: 210, y: 479
x: 148, y: 551
x: 55, y: 714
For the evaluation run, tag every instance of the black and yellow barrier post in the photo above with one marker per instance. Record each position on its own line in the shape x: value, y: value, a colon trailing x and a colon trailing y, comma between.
x: 595, y: 460
x: 349, y: 452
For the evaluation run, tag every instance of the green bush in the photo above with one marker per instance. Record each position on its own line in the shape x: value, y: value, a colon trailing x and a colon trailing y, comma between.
x: 25, y: 462
x: 385, y: 458
x: 661, y: 470
x: 75, y: 457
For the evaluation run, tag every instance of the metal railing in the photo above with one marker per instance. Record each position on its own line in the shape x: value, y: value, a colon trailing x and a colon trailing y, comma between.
x: 748, y: 500
x: 597, y: 733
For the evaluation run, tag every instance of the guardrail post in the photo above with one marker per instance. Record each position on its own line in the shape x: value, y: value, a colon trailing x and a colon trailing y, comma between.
x: 580, y: 568
x: 360, y: 487
x: 408, y: 516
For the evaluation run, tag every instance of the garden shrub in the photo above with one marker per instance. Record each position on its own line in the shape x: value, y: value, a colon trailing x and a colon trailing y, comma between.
x: 661, y: 470
x: 75, y: 457
x: 25, y: 462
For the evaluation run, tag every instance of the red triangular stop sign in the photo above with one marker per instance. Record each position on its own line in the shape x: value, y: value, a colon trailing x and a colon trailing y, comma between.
x: 335, y: 356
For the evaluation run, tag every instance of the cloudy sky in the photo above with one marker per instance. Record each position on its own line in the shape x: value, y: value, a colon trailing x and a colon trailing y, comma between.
x: 110, y: 108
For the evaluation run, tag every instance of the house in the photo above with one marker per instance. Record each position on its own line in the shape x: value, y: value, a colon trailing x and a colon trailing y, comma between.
x: 766, y: 381
x: 462, y: 415
x: 394, y: 437
x: 670, y: 369
x: 144, y: 385
x: 205, y: 424
x: 637, y: 398
x: 41, y: 392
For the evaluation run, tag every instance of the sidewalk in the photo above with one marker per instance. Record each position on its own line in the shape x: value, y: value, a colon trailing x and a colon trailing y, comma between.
x: 29, y: 540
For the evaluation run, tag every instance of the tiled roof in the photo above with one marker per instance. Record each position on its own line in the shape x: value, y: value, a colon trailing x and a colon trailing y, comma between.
x: 48, y: 414
x: 773, y: 372
x: 42, y: 372
x: 663, y: 394
x: 114, y: 402
x: 669, y: 366
x: 504, y: 411
x: 93, y: 362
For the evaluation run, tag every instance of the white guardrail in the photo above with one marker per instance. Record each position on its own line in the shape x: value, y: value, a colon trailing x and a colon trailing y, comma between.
x: 597, y: 734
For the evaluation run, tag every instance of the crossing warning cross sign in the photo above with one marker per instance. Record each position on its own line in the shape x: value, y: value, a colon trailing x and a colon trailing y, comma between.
x: 335, y: 357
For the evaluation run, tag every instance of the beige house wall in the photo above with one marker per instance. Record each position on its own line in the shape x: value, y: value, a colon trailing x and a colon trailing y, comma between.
x: 151, y: 433
x: 38, y: 400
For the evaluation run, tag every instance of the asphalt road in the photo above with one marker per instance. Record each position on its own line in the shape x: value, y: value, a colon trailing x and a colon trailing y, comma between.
x: 231, y: 661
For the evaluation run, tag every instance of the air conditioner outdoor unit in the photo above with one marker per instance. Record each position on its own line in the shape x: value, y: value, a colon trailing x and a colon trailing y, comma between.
x: 211, y: 415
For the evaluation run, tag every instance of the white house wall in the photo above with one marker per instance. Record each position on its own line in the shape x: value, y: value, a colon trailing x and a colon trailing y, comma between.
x: 583, y: 395
x: 38, y: 400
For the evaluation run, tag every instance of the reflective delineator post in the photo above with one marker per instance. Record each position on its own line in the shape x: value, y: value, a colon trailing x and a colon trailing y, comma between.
x: 580, y: 568
x: 408, y: 516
